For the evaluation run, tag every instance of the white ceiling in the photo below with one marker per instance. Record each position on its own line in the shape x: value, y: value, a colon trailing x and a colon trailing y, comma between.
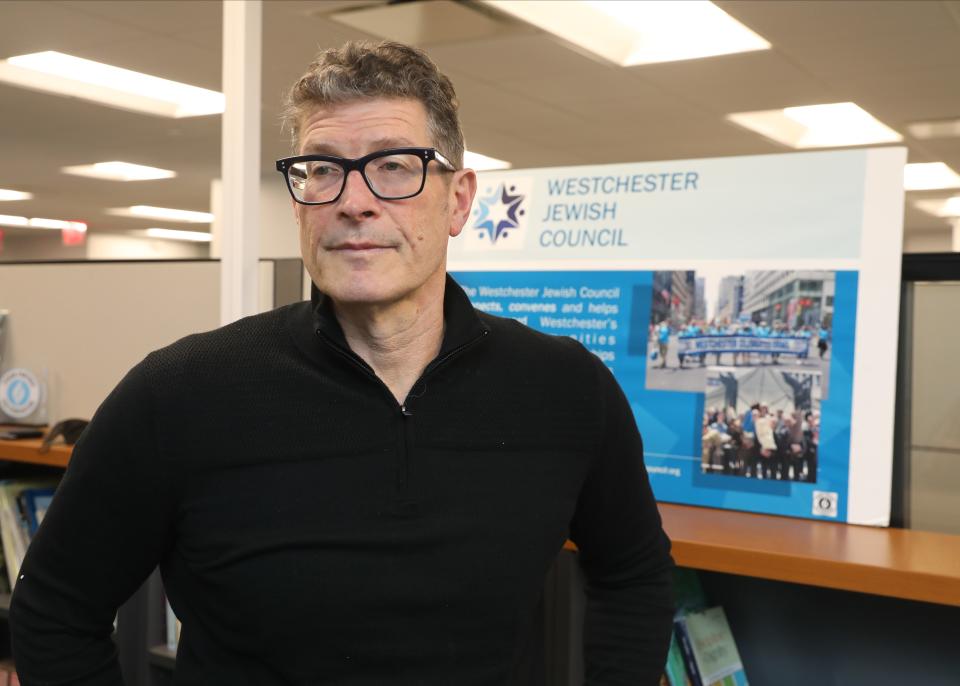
x: 525, y: 96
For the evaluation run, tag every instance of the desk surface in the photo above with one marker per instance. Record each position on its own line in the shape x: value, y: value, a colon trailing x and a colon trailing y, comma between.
x: 901, y: 563
x: 28, y: 450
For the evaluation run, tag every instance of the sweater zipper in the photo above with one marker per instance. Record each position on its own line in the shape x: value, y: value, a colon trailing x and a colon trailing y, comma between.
x: 406, y: 413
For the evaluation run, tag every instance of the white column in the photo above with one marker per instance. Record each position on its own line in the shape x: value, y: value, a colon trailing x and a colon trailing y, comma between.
x: 955, y: 238
x: 239, y: 234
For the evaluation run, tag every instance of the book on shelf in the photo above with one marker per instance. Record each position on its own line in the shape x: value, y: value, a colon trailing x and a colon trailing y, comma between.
x: 173, y: 629
x: 675, y: 672
x: 34, y: 503
x: 23, y: 503
x: 709, y: 650
x: 702, y: 649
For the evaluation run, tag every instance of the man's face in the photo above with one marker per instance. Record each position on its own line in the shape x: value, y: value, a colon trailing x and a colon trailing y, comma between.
x: 363, y: 250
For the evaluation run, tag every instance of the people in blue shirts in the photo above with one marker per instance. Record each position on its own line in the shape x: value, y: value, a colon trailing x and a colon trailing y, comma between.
x: 823, y: 338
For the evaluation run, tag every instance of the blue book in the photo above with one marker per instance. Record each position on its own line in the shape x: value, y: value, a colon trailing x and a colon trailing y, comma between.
x: 35, y: 504
x: 686, y: 649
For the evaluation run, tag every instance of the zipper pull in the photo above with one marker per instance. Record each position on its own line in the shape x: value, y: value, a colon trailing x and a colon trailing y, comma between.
x: 406, y: 411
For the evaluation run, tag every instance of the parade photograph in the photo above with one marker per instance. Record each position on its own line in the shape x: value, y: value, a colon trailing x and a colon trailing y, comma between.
x: 753, y: 320
x: 761, y: 423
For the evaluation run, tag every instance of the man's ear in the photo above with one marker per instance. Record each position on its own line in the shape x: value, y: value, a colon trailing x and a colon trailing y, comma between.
x: 463, y: 188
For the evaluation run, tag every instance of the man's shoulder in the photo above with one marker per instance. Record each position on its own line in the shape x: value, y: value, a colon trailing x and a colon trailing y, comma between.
x: 522, y: 342
x: 235, y: 344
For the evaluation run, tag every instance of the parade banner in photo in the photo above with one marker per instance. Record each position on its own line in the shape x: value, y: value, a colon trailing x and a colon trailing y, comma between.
x: 748, y: 307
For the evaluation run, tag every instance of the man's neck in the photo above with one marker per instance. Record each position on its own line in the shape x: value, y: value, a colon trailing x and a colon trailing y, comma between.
x: 397, y: 340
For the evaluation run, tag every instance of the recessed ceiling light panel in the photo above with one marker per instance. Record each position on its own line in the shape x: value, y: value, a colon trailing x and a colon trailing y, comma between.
x: 944, y: 128
x: 818, y: 126
x: 929, y: 176
x: 630, y: 33
x: 66, y: 75
x: 165, y: 213
x: 177, y: 235
x: 10, y: 220
x: 7, y: 194
x: 478, y: 162
x: 41, y: 223
x: 119, y: 171
x: 940, y: 207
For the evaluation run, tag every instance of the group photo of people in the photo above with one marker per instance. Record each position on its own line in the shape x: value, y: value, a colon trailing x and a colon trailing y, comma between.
x: 761, y: 424
x: 753, y: 319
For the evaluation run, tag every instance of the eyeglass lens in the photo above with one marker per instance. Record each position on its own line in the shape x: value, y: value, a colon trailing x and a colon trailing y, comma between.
x: 389, y: 177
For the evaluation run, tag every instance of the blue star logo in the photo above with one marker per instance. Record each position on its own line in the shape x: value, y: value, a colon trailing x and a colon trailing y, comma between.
x: 499, y: 212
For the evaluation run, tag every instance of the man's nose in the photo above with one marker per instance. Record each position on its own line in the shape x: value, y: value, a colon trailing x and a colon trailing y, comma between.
x: 357, y: 200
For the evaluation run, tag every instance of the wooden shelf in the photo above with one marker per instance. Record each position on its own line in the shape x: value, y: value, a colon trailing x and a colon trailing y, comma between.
x: 28, y: 450
x: 900, y: 563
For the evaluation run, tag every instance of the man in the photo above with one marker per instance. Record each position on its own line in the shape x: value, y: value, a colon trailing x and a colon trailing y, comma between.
x: 365, y: 489
x: 663, y: 342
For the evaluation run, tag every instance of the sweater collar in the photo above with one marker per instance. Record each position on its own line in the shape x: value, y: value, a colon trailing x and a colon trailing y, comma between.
x: 461, y: 321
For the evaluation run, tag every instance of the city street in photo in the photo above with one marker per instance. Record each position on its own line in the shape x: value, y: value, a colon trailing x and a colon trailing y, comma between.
x: 758, y: 319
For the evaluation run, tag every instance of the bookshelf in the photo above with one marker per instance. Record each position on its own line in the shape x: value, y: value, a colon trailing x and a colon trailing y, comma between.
x: 897, y: 563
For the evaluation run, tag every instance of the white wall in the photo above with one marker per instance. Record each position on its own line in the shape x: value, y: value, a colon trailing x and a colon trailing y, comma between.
x: 88, y: 323
x: 935, y: 240
x: 105, y: 246
x: 279, y: 237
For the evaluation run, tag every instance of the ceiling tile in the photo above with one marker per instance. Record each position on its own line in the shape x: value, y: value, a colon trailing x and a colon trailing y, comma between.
x: 514, y: 58
x: 27, y: 27
x: 788, y: 22
x: 738, y: 83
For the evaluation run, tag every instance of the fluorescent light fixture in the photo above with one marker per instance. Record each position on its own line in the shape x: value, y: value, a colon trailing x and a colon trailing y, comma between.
x: 6, y: 194
x: 10, y: 220
x: 40, y: 223
x: 929, y: 176
x: 60, y: 74
x: 166, y: 213
x: 941, y: 207
x: 176, y: 235
x: 119, y: 171
x: 478, y: 162
x: 632, y: 32
x: 943, y: 128
x: 818, y: 126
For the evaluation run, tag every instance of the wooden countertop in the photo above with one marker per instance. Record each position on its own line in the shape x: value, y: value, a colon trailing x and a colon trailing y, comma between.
x: 28, y: 450
x: 900, y: 563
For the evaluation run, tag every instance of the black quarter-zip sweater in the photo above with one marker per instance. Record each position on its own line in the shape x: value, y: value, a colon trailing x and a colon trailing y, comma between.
x: 310, y: 530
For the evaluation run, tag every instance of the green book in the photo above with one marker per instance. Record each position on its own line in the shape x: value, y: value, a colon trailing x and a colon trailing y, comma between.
x: 675, y: 671
x: 714, y: 649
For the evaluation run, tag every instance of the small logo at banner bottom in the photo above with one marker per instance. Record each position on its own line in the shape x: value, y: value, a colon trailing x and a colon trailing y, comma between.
x: 825, y: 503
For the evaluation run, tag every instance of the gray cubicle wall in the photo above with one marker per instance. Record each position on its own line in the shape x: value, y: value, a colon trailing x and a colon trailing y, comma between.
x: 87, y: 323
x: 933, y: 426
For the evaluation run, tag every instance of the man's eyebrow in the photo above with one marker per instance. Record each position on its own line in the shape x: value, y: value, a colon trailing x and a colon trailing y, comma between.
x: 385, y: 143
x: 320, y: 149
x: 324, y: 148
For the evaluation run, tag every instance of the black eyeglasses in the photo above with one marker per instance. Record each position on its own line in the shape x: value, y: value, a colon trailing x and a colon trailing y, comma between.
x: 392, y: 174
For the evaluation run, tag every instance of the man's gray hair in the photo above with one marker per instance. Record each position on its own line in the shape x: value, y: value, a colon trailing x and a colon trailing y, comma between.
x: 360, y: 70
